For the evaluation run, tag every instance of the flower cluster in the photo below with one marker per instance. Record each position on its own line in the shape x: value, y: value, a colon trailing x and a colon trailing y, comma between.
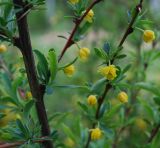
x: 96, y: 134
x: 122, y: 97
x: 109, y: 72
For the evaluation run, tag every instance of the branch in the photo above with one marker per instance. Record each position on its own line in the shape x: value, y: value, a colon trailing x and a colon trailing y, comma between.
x: 19, y: 143
x: 153, y: 133
x: 37, y: 89
x: 100, y: 102
x: 129, y: 29
x: 130, y: 26
x: 14, y: 39
x: 77, y: 23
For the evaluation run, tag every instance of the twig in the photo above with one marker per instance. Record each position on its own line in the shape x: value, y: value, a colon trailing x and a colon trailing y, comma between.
x: 100, y: 102
x: 130, y: 26
x: 37, y: 89
x: 129, y: 30
x: 77, y: 23
x: 153, y: 133
x: 18, y: 143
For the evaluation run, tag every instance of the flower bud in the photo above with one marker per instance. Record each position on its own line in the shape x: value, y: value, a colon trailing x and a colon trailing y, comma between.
x: 3, y: 48
x: 89, y: 16
x: 28, y: 95
x: 122, y: 97
x: 84, y: 53
x: 69, y: 71
x: 141, y: 124
x: 96, y: 134
x: 148, y: 36
x: 92, y: 100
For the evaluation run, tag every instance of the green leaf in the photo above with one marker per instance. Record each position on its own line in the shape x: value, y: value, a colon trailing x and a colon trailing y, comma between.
x: 98, y: 86
x: 121, y: 56
x: 156, y: 143
x: 157, y: 100
x: 148, y: 108
x: 68, y: 132
x: 102, y: 110
x: 71, y: 63
x: 28, y: 107
x: 101, y: 54
x: 149, y: 87
x: 72, y: 87
x: 42, y: 67
x: 112, y: 111
x: 126, y: 68
x: 24, y: 130
x: 80, y: 33
x: 52, y: 64
x: 83, y: 106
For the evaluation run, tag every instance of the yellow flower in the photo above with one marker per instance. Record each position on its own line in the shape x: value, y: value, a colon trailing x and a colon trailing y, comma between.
x: 96, y: 134
x: 3, y: 48
x: 73, y: 1
x: 109, y: 72
x: 69, y: 142
x: 69, y: 71
x: 89, y: 16
x: 141, y: 124
x: 92, y: 100
x: 123, y: 97
x: 28, y: 95
x: 9, y: 115
x: 148, y: 36
x: 84, y: 53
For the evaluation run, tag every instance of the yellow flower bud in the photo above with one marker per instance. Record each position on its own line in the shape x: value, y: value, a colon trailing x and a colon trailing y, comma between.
x: 84, y: 53
x: 69, y: 71
x: 148, y: 36
x: 109, y: 72
x: 73, y: 1
x: 69, y: 142
x: 96, y: 134
x: 3, y: 48
x: 122, y: 97
x: 89, y: 16
x: 9, y: 115
x: 141, y: 124
x: 92, y: 100
x: 28, y: 95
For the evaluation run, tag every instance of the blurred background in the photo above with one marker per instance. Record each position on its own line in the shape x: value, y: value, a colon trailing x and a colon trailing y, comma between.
x: 110, y: 23
x: 111, y: 19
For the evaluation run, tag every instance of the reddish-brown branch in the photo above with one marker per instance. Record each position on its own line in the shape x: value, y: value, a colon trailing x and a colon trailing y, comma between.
x: 18, y: 143
x: 37, y: 89
x: 129, y: 29
x: 77, y: 23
